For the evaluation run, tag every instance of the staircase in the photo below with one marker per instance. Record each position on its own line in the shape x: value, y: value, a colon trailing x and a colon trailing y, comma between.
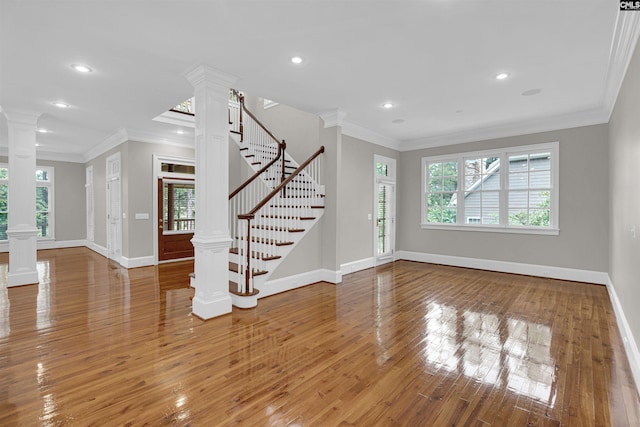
x: 272, y: 210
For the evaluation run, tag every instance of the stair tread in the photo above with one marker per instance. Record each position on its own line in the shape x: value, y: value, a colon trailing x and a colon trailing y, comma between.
x: 267, y: 241
x: 256, y: 255
x: 303, y: 218
x: 273, y: 228
x: 234, y: 268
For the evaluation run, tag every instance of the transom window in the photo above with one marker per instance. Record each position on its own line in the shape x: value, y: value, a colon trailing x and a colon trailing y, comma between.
x: 512, y: 189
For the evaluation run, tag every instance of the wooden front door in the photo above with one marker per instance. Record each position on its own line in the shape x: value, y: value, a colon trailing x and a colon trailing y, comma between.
x: 176, y: 218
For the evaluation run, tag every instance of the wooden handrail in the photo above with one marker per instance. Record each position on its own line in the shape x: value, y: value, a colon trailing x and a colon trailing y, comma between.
x: 281, y: 148
x: 241, y: 98
x: 252, y: 213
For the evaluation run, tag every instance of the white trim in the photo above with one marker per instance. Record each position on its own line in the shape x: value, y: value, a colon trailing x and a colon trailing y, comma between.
x: 504, y: 154
x: 178, y: 119
x: 561, y: 273
x: 164, y: 138
x: 390, y: 180
x: 357, y: 131
x: 276, y: 286
x: 330, y: 276
x: 505, y: 130
x: 630, y: 345
x: 493, y: 229
x: 141, y: 261
x: 168, y: 261
x: 97, y: 248
x: 51, y: 155
x: 332, y: 118
x: 49, y: 244
x: 623, y: 45
x: 118, y: 137
x: 361, y: 264
x: 158, y: 159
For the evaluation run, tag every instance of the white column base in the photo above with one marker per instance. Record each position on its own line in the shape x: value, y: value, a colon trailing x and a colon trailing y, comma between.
x: 210, y: 308
x: 211, y: 278
x: 22, y: 256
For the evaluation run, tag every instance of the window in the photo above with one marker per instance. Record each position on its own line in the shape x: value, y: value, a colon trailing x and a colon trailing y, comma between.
x: 44, y: 201
x: 513, y: 190
x: 179, y: 204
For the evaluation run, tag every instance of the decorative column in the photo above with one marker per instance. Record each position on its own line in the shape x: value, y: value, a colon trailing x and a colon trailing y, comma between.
x: 21, y: 231
x: 211, y: 240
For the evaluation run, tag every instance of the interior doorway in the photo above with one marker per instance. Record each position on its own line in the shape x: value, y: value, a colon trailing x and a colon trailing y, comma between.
x: 174, y: 210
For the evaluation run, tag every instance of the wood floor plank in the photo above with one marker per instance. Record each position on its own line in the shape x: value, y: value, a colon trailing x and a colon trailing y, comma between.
x: 404, y: 344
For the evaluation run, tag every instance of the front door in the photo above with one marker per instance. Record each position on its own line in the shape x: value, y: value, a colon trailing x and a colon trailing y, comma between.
x: 176, y: 218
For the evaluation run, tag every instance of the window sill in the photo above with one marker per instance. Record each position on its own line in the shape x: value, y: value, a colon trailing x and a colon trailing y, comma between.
x: 493, y: 229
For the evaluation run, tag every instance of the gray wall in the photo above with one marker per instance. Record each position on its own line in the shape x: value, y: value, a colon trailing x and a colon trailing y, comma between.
x: 137, y: 194
x: 583, y: 184
x: 624, y: 190
x: 69, y: 199
x: 356, y: 197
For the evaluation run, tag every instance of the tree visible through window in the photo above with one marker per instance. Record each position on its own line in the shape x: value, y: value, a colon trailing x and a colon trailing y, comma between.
x: 511, y: 188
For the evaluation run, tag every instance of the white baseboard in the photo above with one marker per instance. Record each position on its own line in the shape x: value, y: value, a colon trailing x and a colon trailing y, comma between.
x: 141, y: 261
x: 49, y: 244
x: 284, y: 284
x: 330, y: 276
x: 598, y: 277
x: 97, y: 248
x: 630, y: 345
x: 362, y: 264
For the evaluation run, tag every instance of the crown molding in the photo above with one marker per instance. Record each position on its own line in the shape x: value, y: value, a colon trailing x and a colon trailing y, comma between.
x: 177, y: 119
x: 624, y: 41
x: 332, y: 118
x: 357, y: 131
x: 113, y: 140
x: 50, y: 155
x: 162, y: 138
x: 524, y: 127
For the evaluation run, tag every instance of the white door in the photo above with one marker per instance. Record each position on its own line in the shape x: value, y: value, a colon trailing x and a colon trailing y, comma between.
x: 114, y: 209
x: 384, y: 209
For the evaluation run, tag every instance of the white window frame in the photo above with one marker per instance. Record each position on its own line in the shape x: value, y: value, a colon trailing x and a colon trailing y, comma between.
x: 503, y: 226
x: 50, y: 184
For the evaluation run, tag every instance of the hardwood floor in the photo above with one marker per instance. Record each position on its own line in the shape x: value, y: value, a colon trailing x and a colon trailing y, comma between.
x: 407, y: 344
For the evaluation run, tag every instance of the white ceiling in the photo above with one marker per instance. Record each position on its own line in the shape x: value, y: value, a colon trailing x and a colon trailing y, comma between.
x: 436, y: 60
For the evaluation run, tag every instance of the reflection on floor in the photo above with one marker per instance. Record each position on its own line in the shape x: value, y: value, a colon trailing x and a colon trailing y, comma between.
x: 404, y: 344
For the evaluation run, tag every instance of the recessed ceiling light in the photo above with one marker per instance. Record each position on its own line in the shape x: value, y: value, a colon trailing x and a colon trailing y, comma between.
x: 60, y: 104
x: 37, y: 145
x: 43, y: 130
x: 179, y: 131
x: 531, y: 92
x: 388, y: 105
x: 502, y: 76
x: 296, y: 60
x: 81, y: 68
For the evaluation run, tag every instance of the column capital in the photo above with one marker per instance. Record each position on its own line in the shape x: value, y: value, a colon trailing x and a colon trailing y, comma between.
x: 332, y: 118
x: 205, y: 77
x: 21, y: 118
